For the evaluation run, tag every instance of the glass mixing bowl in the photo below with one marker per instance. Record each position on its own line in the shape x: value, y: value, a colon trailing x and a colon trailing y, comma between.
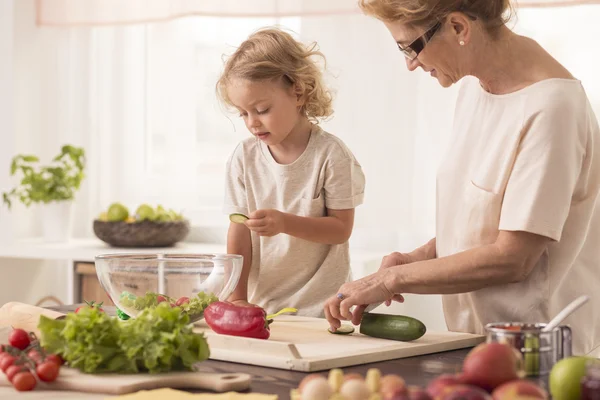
x: 138, y: 281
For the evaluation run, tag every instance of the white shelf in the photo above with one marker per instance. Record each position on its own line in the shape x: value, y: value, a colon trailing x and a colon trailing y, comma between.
x: 87, y: 249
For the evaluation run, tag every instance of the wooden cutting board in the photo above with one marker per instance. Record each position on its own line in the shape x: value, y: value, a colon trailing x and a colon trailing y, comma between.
x: 115, y: 384
x: 304, y: 344
x: 24, y: 316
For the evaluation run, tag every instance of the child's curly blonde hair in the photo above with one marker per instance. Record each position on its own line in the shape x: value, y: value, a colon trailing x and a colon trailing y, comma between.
x: 272, y: 54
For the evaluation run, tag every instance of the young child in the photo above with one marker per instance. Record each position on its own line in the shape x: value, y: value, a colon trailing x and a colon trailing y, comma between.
x: 298, y: 184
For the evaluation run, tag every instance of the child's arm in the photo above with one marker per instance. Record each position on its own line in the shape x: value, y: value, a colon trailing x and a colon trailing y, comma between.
x: 239, y: 242
x: 335, y: 228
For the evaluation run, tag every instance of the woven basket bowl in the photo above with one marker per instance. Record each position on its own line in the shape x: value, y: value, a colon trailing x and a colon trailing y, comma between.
x: 141, y: 234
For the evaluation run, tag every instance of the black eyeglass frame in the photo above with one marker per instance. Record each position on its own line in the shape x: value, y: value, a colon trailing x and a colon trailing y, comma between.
x: 414, y: 49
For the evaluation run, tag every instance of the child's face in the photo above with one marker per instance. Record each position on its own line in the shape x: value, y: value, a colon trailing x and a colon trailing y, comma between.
x: 269, y: 108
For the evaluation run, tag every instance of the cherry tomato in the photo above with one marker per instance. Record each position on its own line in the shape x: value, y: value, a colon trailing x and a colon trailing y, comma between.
x: 182, y: 300
x: 13, y: 370
x: 35, y: 356
x: 56, y: 359
x: 19, y: 338
x: 160, y: 299
x: 47, y: 371
x: 6, y: 362
x: 90, y: 304
x: 24, y: 381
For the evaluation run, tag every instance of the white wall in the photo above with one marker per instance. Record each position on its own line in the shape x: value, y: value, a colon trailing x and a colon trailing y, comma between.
x: 26, y: 281
x: 7, y: 137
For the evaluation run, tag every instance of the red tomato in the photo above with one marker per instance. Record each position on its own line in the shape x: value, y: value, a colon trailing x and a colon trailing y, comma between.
x: 182, y: 300
x: 47, y: 371
x: 13, y: 370
x: 6, y: 362
x: 19, y: 338
x: 24, y: 381
x: 56, y: 359
x: 35, y: 356
x: 160, y: 299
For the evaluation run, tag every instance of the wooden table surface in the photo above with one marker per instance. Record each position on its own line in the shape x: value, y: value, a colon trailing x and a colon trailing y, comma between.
x: 280, y: 382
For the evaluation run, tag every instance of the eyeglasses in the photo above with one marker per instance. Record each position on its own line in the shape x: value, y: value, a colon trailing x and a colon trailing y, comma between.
x: 412, y: 50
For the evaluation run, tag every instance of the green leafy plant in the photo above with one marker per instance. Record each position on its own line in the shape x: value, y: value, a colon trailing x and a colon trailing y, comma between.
x: 57, y: 181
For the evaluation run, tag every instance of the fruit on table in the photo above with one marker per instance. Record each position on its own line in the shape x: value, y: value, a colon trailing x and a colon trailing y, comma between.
x: 417, y: 393
x: 145, y: 212
x: 565, y: 378
x: 489, y: 365
x: 90, y: 304
x: 437, y: 386
x: 25, y: 362
x: 352, y: 386
x: 117, y: 212
x: 464, y: 392
x: 519, y: 389
x: 392, y: 386
x: 393, y: 327
x: 19, y: 338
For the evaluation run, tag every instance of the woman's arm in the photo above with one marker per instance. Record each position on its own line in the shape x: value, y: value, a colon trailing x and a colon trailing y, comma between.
x: 240, y: 242
x: 510, y: 259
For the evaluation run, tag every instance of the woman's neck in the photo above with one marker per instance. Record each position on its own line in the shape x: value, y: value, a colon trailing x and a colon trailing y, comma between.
x: 511, y: 62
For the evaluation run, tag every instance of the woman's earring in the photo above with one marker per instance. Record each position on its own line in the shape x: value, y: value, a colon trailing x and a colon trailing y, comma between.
x: 462, y: 42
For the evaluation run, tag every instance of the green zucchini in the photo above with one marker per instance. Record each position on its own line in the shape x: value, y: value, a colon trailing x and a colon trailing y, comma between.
x: 392, y: 327
x: 238, y: 218
x: 343, y: 330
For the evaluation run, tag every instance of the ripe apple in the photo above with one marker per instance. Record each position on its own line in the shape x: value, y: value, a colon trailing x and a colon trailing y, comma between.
x: 463, y: 392
x: 520, y: 389
x: 565, y: 378
x: 489, y: 365
x: 437, y: 385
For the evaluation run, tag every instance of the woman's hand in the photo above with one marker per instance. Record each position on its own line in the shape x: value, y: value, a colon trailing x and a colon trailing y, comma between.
x: 374, y: 288
x: 266, y: 222
x: 393, y: 260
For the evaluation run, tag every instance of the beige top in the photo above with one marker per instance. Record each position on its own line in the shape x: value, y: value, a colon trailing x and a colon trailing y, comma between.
x: 525, y: 161
x: 288, y: 271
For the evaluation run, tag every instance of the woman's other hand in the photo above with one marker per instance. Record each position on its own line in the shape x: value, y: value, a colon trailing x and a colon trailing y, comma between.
x: 371, y: 289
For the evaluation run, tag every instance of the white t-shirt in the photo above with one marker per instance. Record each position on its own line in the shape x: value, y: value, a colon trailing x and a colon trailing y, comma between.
x: 525, y: 161
x: 287, y: 271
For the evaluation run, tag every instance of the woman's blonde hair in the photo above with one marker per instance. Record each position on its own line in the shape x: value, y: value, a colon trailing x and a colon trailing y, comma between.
x: 272, y: 54
x: 425, y: 13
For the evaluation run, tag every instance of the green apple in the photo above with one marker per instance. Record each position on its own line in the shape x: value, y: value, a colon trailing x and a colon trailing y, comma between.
x: 117, y: 212
x: 565, y: 378
x: 145, y: 212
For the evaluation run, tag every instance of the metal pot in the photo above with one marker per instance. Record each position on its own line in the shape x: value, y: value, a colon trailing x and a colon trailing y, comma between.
x: 540, y: 350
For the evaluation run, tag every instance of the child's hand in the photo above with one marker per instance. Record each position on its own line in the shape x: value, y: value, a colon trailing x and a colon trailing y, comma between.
x: 266, y: 222
x: 243, y: 303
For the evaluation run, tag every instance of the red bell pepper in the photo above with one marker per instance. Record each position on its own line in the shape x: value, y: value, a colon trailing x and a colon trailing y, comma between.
x: 228, y: 319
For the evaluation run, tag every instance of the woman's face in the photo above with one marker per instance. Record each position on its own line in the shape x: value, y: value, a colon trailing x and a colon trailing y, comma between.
x: 440, y: 54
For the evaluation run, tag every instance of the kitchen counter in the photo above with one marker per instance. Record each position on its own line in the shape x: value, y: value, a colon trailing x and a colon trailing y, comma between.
x: 280, y: 382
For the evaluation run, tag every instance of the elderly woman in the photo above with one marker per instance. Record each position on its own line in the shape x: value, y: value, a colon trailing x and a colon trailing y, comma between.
x: 518, y: 209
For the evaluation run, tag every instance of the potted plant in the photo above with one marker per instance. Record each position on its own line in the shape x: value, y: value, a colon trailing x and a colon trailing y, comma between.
x: 53, y: 185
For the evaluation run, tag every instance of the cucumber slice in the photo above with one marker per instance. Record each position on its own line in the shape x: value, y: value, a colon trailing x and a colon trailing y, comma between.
x: 238, y: 218
x: 392, y: 327
x: 343, y: 330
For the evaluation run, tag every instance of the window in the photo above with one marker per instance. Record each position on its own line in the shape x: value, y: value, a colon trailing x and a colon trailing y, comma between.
x: 189, y: 135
